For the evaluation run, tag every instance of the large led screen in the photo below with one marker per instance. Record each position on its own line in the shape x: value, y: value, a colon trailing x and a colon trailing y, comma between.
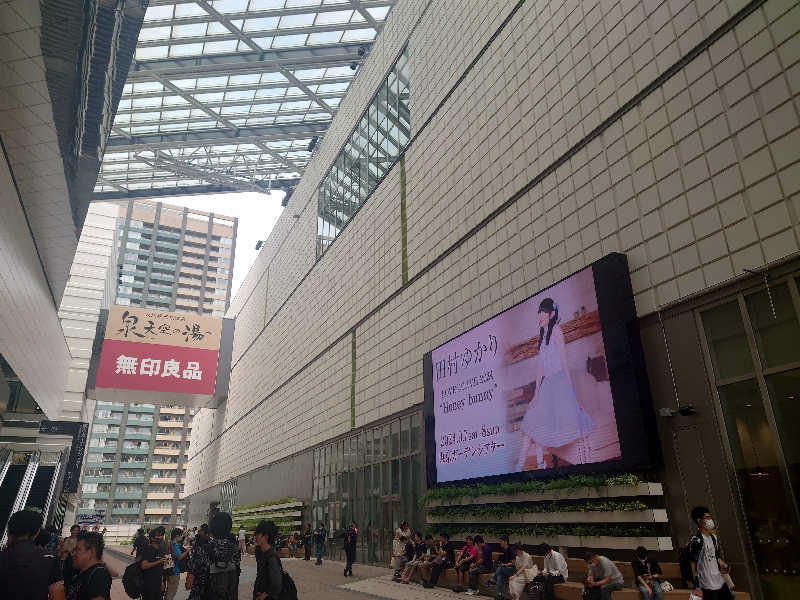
x: 555, y: 382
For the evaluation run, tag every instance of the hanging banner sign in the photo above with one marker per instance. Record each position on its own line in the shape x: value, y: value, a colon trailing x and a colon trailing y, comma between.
x: 160, y: 352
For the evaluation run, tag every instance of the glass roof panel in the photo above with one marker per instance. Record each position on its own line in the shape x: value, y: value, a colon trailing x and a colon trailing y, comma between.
x: 186, y: 108
x: 289, y: 41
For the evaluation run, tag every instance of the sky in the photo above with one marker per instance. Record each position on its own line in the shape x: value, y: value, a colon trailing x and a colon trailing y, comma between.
x: 257, y: 215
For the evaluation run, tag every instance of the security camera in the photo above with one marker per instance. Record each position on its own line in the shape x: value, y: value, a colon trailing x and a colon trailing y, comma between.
x: 686, y: 410
x: 362, y: 51
x: 353, y: 66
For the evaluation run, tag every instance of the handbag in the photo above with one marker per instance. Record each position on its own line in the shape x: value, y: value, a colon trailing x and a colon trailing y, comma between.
x: 666, y: 586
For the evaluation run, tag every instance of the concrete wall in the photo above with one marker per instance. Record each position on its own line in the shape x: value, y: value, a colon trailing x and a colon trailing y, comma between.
x: 31, y: 338
x: 695, y: 182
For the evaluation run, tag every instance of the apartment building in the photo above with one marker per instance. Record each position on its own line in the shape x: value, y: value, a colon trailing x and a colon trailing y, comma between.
x: 135, y: 463
x: 173, y: 258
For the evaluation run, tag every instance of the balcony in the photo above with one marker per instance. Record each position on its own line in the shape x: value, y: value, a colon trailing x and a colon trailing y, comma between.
x: 171, y: 410
x: 141, y: 409
x: 136, y: 436
x: 139, y: 479
x: 108, y: 420
x: 101, y: 465
x: 132, y: 420
x: 166, y: 451
x: 99, y: 435
x: 131, y: 465
x: 171, y: 481
x: 160, y: 495
x: 164, y: 437
x: 96, y: 479
x: 158, y: 511
x: 158, y: 465
x: 124, y: 511
x: 172, y: 424
x: 136, y: 451
x: 127, y: 495
x: 97, y: 494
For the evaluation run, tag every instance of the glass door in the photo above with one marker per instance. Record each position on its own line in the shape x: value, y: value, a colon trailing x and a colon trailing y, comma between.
x: 753, y: 343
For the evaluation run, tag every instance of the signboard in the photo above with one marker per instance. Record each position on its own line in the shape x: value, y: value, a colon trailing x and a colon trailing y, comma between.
x: 159, y: 352
x: 554, y: 384
x: 95, y: 517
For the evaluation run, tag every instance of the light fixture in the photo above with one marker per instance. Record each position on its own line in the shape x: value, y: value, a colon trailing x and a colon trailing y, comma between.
x: 353, y: 66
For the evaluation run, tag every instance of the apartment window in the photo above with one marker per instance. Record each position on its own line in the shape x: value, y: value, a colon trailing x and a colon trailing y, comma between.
x: 377, y: 142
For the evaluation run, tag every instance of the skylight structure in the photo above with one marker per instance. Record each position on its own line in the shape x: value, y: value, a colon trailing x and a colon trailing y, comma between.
x: 228, y: 94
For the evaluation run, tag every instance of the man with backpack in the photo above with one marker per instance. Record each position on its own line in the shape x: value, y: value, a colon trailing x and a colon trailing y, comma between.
x: 152, y: 564
x: 708, y: 569
x: 272, y: 582
x: 216, y: 565
x: 93, y: 581
x: 26, y: 570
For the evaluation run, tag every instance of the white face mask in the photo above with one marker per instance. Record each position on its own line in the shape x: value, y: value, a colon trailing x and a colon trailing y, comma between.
x: 709, y: 524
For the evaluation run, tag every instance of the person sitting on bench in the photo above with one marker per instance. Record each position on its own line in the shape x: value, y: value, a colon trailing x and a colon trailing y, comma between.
x: 466, y: 558
x: 445, y: 559
x: 482, y: 565
x: 516, y: 583
x: 402, y: 559
x: 555, y: 571
x: 603, y: 574
x: 505, y: 566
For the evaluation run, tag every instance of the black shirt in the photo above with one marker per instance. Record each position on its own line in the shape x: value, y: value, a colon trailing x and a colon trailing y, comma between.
x: 94, y: 582
x: 420, y: 550
x: 410, y: 551
x: 508, y: 556
x: 649, y: 567
x: 449, y: 552
x: 269, y: 573
x: 153, y: 574
x: 26, y: 571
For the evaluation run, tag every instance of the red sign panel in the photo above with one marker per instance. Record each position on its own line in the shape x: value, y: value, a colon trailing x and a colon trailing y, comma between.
x: 153, y: 367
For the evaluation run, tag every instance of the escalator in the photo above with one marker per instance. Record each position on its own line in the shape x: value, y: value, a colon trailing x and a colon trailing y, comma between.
x: 37, y: 498
x: 8, y: 492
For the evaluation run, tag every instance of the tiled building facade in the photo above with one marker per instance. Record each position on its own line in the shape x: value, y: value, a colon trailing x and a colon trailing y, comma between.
x: 543, y: 137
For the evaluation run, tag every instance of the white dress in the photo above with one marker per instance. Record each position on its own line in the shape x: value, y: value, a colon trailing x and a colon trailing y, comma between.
x: 554, y: 418
x: 517, y: 584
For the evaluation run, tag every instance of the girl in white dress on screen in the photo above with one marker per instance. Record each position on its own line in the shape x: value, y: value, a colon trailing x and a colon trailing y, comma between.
x: 554, y: 418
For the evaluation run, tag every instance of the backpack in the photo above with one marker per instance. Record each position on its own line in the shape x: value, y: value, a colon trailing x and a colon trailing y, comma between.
x: 223, y: 581
x: 288, y: 588
x: 133, y: 580
x: 685, y: 564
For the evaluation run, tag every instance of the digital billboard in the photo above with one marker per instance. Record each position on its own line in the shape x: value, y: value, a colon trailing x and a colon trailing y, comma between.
x: 556, y: 382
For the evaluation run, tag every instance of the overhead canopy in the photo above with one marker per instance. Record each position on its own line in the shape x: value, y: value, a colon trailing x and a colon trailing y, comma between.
x: 229, y: 94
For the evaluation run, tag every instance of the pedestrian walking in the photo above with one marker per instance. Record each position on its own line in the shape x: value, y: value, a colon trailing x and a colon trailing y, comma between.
x: 65, y: 549
x: 242, y: 540
x: 26, y: 570
x: 711, y: 573
x: 93, y: 580
x: 350, y: 543
x: 271, y: 581
x: 178, y: 554
x: 320, y: 536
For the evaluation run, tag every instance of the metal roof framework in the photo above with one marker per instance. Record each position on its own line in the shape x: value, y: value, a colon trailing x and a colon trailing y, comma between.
x: 227, y: 95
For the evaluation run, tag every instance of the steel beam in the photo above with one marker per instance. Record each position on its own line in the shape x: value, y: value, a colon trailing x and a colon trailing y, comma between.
x: 253, y: 14
x: 216, y: 137
x: 192, y: 190
x: 306, y: 57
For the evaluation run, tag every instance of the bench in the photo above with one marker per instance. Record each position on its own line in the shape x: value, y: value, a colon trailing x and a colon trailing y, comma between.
x: 572, y: 589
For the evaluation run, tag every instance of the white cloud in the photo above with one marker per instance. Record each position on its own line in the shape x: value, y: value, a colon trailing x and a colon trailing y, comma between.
x: 257, y: 214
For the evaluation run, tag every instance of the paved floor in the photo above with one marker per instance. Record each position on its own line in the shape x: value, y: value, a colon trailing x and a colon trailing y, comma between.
x: 325, y: 581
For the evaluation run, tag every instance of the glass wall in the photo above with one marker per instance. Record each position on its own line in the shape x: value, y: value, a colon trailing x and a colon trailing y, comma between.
x: 374, y: 477
x: 376, y: 143
x: 755, y: 355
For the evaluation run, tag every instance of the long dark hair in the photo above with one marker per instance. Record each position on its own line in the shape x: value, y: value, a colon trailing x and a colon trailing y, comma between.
x: 548, y: 306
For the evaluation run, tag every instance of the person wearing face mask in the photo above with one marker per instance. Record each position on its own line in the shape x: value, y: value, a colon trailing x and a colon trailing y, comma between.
x: 708, y: 568
x: 647, y: 574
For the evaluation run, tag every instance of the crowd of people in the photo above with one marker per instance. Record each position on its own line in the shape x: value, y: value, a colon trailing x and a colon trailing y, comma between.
x: 423, y: 558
